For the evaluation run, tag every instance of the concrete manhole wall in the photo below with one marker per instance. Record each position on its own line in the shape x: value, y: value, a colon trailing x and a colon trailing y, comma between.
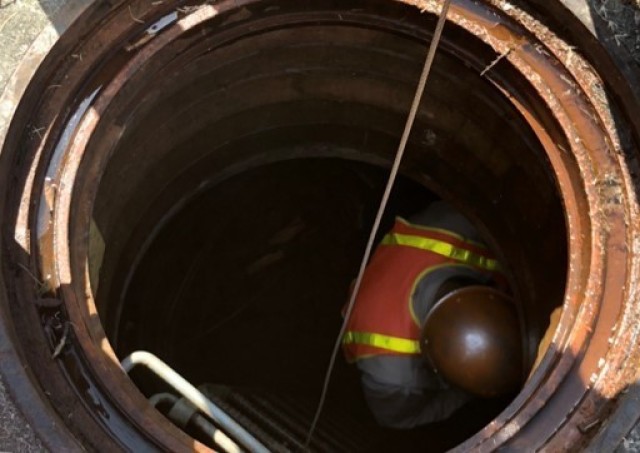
x: 262, y: 89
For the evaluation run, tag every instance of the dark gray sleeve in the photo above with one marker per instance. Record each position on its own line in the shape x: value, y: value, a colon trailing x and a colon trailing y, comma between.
x: 441, y: 214
x: 424, y: 296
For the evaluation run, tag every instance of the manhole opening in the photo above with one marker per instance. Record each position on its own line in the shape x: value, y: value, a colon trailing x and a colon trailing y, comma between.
x: 234, y: 206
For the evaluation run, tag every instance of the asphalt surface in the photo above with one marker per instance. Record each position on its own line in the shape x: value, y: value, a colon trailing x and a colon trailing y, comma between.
x: 15, y: 434
x: 622, y: 18
x: 22, y: 20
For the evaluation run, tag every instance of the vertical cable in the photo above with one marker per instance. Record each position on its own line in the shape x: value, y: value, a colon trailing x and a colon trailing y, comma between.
x: 383, y: 204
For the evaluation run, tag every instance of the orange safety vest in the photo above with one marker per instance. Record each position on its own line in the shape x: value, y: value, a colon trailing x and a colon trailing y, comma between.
x: 382, y: 320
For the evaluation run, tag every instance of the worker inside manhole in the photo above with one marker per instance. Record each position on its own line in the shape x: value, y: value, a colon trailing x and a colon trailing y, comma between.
x: 242, y: 293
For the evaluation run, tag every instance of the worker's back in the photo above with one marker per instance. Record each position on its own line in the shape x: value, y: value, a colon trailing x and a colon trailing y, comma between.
x: 400, y: 389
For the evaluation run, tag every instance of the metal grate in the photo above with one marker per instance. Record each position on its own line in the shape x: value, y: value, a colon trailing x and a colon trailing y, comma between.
x: 281, y: 422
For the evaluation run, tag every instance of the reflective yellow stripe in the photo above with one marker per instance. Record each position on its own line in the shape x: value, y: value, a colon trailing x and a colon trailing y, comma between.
x: 394, y: 344
x: 441, y: 231
x: 442, y: 248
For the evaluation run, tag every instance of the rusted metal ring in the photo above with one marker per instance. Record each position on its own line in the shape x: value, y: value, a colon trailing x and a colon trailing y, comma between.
x: 581, y: 373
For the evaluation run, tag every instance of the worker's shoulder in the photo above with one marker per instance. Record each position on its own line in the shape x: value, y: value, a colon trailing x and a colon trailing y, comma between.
x: 443, y: 215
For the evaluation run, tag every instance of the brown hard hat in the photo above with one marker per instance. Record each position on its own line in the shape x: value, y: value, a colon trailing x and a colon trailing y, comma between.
x: 472, y: 338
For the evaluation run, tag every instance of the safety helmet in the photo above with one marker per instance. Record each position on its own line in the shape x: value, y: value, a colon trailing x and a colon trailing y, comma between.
x: 471, y: 337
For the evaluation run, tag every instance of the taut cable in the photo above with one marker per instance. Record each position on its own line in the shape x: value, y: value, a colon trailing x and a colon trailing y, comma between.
x: 383, y: 204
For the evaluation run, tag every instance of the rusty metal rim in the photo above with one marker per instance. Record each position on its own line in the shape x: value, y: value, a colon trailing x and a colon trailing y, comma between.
x: 579, y: 321
x: 525, y: 61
